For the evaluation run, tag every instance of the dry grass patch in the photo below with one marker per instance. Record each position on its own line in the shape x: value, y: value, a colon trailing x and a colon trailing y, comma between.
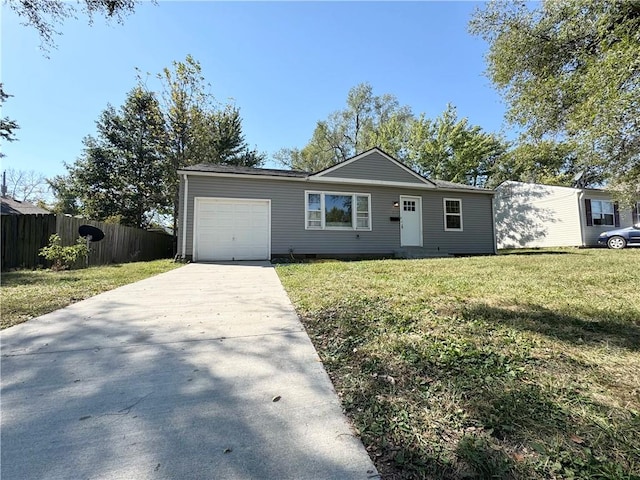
x: 515, y: 366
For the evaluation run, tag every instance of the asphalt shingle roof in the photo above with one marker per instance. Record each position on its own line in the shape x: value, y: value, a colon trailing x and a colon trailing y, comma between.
x: 11, y: 206
x: 460, y: 186
x: 214, y: 168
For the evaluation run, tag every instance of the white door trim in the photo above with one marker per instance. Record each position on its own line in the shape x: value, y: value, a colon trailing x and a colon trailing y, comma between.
x: 196, y: 204
x: 418, y: 201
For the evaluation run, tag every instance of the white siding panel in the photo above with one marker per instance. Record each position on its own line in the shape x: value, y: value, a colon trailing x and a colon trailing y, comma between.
x: 536, y: 216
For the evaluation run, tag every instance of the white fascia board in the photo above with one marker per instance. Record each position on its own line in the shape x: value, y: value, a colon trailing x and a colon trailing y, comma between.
x: 239, y: 175
x: 384, y: 183
x: 360, y: 181
x: 465, y: 190
x: 336, y: 180
x: 185, y: 199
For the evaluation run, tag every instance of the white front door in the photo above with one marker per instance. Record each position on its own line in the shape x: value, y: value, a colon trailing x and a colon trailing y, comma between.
x: 410, y: 221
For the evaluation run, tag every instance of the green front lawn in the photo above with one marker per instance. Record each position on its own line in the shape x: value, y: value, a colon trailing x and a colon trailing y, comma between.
x: 29, y: 293
x: 525, y: 365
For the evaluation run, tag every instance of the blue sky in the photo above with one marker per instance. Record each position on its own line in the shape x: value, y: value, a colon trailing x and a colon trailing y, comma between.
x: 286, y: 65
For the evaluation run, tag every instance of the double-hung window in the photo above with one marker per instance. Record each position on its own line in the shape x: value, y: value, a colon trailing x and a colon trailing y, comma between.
x: 337, y: 211
x: 602, y: 213
x: 453, y: 214
x: 314, y: 210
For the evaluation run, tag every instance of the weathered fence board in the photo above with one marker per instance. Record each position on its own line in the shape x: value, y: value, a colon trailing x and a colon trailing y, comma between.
x: 120, y: 244
x: 24, y: 235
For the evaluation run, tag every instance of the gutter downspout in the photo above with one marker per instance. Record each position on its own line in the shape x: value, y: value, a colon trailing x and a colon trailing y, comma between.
x: 581, y: 217
x: 184, y: 217
x: 493, y: 223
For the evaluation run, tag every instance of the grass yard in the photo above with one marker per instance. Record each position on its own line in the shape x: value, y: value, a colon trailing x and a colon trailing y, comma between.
x: 525, y: 365
x: 29, y: 293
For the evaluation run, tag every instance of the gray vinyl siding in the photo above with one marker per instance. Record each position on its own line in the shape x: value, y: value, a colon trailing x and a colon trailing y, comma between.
x: 288, y: 233
x: 374, y: 166
x: 592, y: 232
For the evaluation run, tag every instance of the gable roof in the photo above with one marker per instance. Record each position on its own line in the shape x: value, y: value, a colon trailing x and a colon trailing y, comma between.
x: 11, y: 206
x: 337, y: 167
x: 331, y: 174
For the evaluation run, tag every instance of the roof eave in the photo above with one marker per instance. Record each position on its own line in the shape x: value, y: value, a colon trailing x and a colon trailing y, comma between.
x: 336, y: 180
x: 201, y: 173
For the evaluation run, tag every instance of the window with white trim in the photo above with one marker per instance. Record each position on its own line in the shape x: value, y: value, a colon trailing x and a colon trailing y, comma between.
x: 453, y: 214
x: 636, y: 220
x: 337, y: 211
x: 602, y: 213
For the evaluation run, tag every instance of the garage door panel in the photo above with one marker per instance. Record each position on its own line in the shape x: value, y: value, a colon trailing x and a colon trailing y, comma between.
x: 229, y: 229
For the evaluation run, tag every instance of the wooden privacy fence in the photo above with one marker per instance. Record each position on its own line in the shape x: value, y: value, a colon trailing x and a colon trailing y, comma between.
x: 24, y: 235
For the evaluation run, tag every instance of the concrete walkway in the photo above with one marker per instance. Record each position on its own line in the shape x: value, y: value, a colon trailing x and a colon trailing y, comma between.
x: 174, y: 377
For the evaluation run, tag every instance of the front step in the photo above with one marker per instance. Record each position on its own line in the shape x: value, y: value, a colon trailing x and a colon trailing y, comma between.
x: 419, y: 252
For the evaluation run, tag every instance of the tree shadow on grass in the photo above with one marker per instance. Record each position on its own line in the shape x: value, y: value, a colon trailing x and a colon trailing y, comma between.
x: 621, y: 330
x: 453, y: 407
x: 485, y: 423
x: 12, y: 279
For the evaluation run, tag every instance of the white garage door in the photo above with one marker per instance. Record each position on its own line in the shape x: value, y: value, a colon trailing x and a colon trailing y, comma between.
x: 232, y: 229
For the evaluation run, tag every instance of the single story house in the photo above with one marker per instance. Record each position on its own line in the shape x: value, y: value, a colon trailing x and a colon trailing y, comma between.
x: 530, y: 215
x: 369, y: 206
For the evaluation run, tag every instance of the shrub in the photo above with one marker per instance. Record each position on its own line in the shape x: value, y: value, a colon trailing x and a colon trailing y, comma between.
x: 63, y: 257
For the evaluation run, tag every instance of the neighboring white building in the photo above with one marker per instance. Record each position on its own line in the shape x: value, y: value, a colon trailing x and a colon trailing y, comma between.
x: 529, y: 215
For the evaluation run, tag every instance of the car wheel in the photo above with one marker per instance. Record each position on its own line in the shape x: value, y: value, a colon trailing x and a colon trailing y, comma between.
x: 616, y: 243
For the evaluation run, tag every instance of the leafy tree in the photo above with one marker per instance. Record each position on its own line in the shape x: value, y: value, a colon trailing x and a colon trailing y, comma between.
x: 7, y: 126
x: 185, y: 102
x: 367, y: 121
x: 122, y: 172
x: 223, y: 141
x: 570, y: 71
x: 198, y: 131
x: 453, y: 150
x: 66, y: 199
x: 315, y: 156
x: 128, y: 171
x: 46, y: 15
x: 547, y: 162
x: 445, y: 148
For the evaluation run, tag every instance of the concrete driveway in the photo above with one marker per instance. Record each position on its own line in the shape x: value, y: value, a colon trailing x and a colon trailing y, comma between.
x: 174, y: 377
